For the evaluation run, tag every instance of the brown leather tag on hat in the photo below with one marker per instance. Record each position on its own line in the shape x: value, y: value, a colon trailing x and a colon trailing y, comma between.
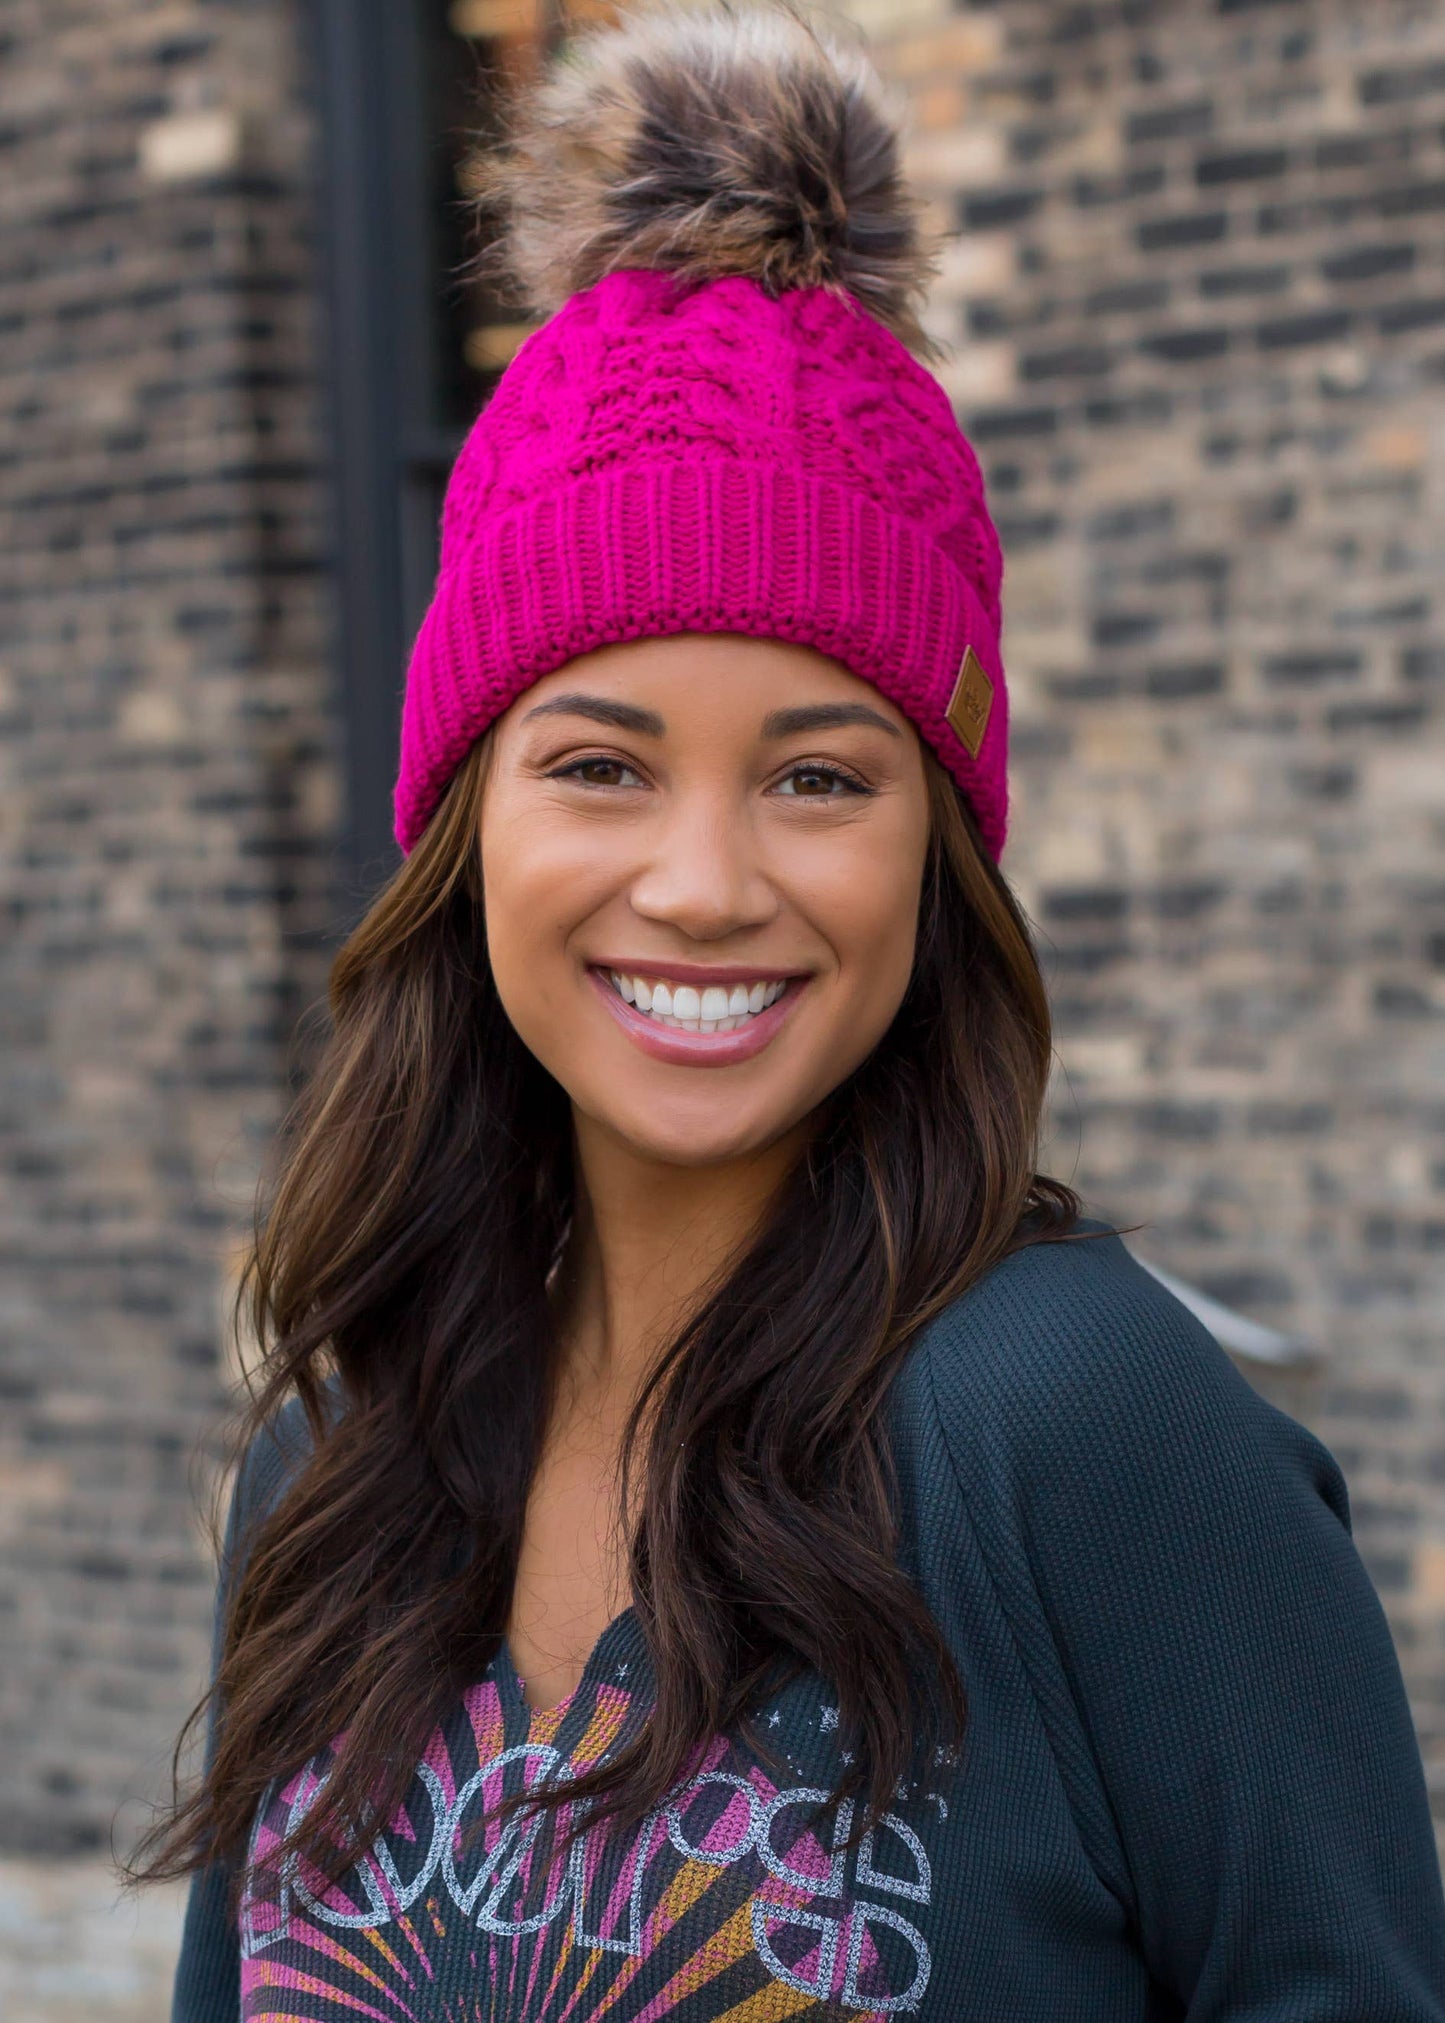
x: 971, y: 703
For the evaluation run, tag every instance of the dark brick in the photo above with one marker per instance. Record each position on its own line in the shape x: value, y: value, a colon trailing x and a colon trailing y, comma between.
x: 198, y: 620
x: 997, y: 424
x: 1034, y: 140
x: 1415, y: 201
x: 1190, y: 120
x: 1389, y: 611
x: 1222, y: 282
x: 1182, y: 679
x: 1074, y: 24
x: 998, y: 208
x: 1398, y: 86
x: 1403, y: 1001
x: 1073, y: 361
x: 1191, y: 901
x: 1290, y: 1120
x: 1328, y: 784
x: 1308, y: 214
x: 1007, y: 479
x: 1362, y: 150
x: 1150, y: 407
x: 1316, y: 326
x: 995, y: 319
x: 101, y: 1566
x: 1126, y: 523
x: 1423, y: 663
x: 1127, y: 298
x: 1418, y: 315
x: 1186, y: 347
x: 1188, y: 1122
x: 1048, y: 742
x: 1380, y: 715
x: 1248, y: 1290
x: 1271, y: 509
x: 1368, y: 263
x: 1085, y: 903
x: 1305, y: 669
x: 1094, y: 685
x: 1034, y: 86
x: 1090, y: 192
x: 1124, y: 628
x: 1189, y: 228
x: 1080, y: 958
x: 1026, y: 530
x: 1247, y: 165
x: 1221, y: 446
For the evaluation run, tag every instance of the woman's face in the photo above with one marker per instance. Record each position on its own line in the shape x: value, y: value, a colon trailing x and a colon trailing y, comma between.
x: 702, y: 857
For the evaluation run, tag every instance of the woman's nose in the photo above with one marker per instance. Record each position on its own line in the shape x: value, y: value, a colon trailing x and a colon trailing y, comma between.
x: 702, y: 875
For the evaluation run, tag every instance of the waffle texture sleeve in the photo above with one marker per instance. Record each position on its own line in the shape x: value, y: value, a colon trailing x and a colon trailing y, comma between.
x: 1176, y: 1560
x: 207, y: 1986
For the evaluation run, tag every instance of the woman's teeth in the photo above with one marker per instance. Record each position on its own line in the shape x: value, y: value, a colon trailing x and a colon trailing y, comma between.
x: 718, y: 1009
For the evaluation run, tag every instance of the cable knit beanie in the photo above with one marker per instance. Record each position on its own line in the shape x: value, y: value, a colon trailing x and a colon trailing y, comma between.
x: 722, y: 425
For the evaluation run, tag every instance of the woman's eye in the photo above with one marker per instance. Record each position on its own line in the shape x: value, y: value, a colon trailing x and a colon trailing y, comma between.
x: 821, y: 783
x: 598, y: 773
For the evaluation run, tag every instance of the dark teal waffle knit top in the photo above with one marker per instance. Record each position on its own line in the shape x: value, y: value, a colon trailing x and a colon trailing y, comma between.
x: 1189, y: 1785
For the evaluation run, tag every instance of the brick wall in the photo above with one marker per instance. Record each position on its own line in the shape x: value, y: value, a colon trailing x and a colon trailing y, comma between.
x: 167, y: 791
x: 1196, y: 298
x: 1197, y: 302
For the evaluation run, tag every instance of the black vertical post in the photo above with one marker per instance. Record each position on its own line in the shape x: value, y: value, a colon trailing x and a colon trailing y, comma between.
x: 400, y: 91
x: 376, y: 365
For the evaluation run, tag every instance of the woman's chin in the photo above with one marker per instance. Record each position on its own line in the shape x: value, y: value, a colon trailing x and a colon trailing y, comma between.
x: 692, y: 1140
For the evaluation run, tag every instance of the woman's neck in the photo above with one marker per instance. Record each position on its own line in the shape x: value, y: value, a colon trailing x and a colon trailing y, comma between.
x: 647, y: 1241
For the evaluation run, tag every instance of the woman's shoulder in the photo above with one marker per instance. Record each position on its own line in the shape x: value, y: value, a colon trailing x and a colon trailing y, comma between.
x: 1064, y: 1311
x: 1069, y: 1354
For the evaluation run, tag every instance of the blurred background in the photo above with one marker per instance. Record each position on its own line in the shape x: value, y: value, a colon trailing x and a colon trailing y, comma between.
x: 1194, y: 293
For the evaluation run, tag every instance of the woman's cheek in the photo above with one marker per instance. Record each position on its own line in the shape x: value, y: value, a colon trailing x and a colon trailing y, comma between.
x: 543, y: 879
x: 864, y: 902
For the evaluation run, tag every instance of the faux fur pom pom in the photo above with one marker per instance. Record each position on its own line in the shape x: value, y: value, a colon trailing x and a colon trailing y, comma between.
x: 721, y: 139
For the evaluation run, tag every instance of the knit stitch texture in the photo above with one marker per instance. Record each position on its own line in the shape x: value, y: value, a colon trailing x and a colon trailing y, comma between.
x: 1188, y: 1788
x: 662, y: 458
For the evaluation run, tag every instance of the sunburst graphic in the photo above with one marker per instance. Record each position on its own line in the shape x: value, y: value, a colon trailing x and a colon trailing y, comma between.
x: 735, y: 1903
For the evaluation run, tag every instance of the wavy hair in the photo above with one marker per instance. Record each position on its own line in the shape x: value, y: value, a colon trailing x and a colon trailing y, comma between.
x: 399, y: 1286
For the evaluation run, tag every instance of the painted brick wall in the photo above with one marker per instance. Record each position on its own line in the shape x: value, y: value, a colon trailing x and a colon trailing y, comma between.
x: 167, y: 792
x: 1196, y: 298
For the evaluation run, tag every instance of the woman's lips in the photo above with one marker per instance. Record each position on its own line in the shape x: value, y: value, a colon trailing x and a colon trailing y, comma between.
x: 698, y: 1050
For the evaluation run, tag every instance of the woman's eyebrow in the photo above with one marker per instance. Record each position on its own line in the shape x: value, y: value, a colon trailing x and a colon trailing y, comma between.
x: 779, y: 723
x: 618, y: 716
x: 824, y: 716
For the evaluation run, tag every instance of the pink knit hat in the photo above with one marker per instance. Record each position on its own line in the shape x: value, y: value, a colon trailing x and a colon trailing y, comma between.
x: 718, y: 429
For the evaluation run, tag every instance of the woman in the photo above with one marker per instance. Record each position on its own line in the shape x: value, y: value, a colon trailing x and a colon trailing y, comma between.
x: 720, y: 1535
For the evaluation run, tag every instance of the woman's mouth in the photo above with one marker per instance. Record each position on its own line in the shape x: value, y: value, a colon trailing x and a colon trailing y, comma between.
x: 714, y: 1008
x: 695, y: 1024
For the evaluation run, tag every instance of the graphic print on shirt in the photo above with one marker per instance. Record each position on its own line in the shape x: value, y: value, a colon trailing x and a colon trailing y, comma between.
x: 736, y: 1899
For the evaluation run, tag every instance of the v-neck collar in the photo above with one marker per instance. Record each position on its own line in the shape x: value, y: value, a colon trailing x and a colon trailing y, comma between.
x: 618, y: 1658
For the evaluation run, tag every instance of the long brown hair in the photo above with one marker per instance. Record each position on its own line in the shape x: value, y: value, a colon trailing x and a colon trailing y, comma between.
x: 399, y: 1287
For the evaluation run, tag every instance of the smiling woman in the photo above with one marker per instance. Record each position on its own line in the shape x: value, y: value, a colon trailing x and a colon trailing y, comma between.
x: 713, y: 840
x: 719, y: 1534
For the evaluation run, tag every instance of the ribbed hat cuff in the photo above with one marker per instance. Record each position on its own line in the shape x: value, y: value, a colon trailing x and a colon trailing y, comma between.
x: 703, y: 546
